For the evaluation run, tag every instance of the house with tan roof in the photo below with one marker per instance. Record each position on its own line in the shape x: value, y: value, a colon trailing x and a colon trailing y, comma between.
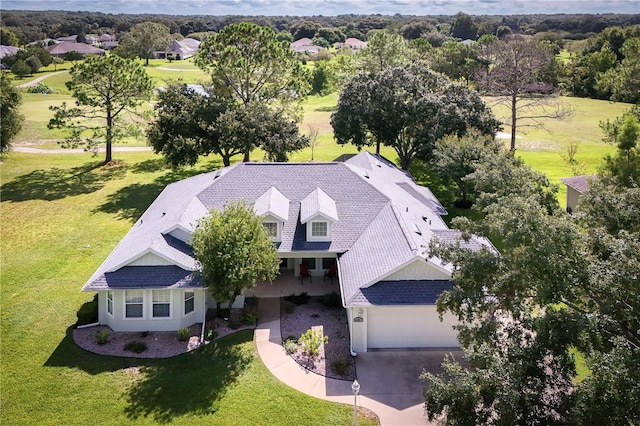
x: 576, y: 187
x: 363, y: 218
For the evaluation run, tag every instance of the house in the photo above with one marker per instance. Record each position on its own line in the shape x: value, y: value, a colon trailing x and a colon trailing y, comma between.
x: 576, y: 186
x: 8, y: 51
x: 305, y: 45
x: 64, y: 47
x: 179, y: 50
x: 363, y: 218
x: 355, y: 44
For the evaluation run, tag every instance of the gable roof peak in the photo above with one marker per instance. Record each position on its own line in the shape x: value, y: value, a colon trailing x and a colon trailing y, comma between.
x: 273, y: 203
x: 318, y: 203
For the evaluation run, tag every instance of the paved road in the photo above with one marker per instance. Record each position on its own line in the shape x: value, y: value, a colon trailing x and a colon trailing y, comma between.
x: 37, y: 80
x: 30, y: 150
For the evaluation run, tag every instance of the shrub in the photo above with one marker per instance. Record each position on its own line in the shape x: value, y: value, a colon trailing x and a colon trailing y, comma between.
x: 234, y: 325
x: 88, y: 312
x: 290, y: 345
x: 249, y: 317
x: 144, y: 334
x: 101, y: 337
x: 340, y: 366
x: 210, y: 334
x: 135, y: 346
x: 40, y: 88
x: 299, y: 299
x: 183, y: 334
x: 331, y: 300
x: 311, y: 341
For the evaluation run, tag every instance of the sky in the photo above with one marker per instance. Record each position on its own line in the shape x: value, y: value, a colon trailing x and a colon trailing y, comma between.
x: 330, y: 7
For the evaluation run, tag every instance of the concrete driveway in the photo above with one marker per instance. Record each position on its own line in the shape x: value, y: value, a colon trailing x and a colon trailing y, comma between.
x: 392, y: 379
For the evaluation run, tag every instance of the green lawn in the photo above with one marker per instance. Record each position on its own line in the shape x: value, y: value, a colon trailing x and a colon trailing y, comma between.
x: 61, y: 218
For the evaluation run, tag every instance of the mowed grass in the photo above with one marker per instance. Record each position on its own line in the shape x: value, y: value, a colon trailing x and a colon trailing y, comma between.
x: 61, y: 217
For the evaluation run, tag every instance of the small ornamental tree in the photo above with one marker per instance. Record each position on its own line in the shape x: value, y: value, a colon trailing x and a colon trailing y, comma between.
x: 234, y: 251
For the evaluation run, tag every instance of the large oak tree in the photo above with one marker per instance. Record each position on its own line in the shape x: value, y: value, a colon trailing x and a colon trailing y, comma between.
x: 408, y: 109
x: 143, y: 39
x: 10, y: 118
x: 192, y: 123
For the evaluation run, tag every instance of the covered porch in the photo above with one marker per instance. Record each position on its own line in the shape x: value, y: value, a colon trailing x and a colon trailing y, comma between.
x: 287, y: 284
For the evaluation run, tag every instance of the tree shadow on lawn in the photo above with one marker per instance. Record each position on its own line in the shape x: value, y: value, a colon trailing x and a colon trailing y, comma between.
x: 191, y: 383
x: 56, y: 183
x: 131, y: 201
x: 171, y: 387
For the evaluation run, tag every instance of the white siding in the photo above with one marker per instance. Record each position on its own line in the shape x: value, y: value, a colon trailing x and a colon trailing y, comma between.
x: 409, y: 327
x: 573, y: 198
x: 418, y: 270
x: 150, y: 259
x: 182, y: 235
x: 178, y: 320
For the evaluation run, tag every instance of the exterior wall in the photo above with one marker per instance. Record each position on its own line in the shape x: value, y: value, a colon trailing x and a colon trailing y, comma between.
x: 418, y: 270
x: 409, y: 327
x: 318, y: 271
x: 358, y: 328
x: 176, y: 321
x: 182, y: 235
x: 573, y: 197
x: 237, y: 304
x: 150, y: 259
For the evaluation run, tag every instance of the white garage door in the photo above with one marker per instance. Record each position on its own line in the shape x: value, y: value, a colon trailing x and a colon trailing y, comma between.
x: 409, y: 327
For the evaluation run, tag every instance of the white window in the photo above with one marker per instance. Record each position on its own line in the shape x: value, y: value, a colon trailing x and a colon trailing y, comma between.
x: 319, y: 229
x: 272, y: 229
x: 110, y: 302
x: 189, y: 299
x: 134, y: 302
x: 161, y: 303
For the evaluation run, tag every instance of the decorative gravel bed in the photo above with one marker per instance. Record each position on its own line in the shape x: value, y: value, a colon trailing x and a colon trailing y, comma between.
x: 334, y: 360
x: 160, y: 344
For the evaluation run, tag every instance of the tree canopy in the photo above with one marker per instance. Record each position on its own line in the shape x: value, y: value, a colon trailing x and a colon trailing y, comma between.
x: 143, y: 39
x: 192, y: 123
x: 559, y: 282
x: 10, y: 117
x: 234, y: 251
x: 250, y: 61
x: 407, y: 108
x: 105, y: 89
x: 385, y: 49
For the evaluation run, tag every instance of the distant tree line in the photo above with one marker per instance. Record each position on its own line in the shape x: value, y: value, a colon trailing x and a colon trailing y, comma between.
x: 29, y: 26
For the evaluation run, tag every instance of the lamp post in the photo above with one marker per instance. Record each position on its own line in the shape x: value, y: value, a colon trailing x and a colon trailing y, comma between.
x: 355, y: 387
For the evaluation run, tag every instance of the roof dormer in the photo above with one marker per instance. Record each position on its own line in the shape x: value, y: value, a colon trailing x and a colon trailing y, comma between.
x: 274, y: 208
x: 318, y: 211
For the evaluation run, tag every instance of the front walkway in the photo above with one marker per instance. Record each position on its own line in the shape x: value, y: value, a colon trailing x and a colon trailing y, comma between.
x: 269, y: 344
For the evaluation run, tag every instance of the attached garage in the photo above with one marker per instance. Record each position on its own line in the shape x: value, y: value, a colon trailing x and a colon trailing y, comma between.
x: 409, y: 327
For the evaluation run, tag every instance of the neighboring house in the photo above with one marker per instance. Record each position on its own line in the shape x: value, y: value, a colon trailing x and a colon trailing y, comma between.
x: 64, y: 47
x: 576, y: 186
x: 8, y: 51
x: 72, y: 38
x: 355, y: 44
x: 179, y: 50
x: 305, y: 45
x: 363, y: 218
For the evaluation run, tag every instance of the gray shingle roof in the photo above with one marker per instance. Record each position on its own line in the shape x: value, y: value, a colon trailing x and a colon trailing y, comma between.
x: 357, y: 202
x: 131, y: 277
x: 381, y: 248
x: 402, y: 293
x: 385, y: 221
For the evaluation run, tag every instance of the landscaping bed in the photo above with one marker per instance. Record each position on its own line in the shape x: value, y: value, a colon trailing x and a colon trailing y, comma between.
x: 325, y: 314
